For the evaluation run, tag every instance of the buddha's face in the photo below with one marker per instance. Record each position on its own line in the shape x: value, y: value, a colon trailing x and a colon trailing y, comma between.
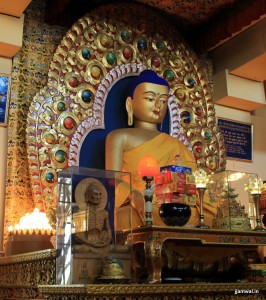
x: 150, y: 102
x: 93, y: 195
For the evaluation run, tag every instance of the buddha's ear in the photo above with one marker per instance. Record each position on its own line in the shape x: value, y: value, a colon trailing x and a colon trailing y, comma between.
x: 129, y: 109
x: 129, y: 104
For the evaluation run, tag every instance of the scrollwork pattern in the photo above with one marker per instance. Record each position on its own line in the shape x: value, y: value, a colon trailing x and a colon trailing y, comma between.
x: 21, y: 274
x: 108, y: 44
x: 155, y: 292
x: 29, y: 74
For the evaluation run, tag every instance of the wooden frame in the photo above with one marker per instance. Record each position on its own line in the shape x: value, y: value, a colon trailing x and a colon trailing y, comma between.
x: 4, y: 98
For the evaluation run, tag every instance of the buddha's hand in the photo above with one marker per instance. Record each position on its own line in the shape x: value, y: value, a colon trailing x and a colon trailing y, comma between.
x: 106, y: 237
x: 138, y: 203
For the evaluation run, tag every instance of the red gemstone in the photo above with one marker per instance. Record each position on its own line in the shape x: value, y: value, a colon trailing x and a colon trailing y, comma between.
x: 127, y: 53
x: 73, y: 81
x: 156, y: 61
x: 198, y: 111
x: 69, y: 123
x: 199, y: 149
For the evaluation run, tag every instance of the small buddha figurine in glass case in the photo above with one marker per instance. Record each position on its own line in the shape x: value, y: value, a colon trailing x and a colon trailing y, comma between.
x: 87, y: 235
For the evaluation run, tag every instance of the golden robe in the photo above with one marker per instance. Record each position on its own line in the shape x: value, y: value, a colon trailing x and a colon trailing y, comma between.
x: 164, y: 148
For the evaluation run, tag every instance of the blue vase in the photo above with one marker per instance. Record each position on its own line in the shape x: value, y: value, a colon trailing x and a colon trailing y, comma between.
x: 175, y: 214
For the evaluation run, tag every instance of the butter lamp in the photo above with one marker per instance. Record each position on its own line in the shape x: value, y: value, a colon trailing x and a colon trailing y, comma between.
x: 201, y: 180
x: 148, y: 167
x: 255, y: 188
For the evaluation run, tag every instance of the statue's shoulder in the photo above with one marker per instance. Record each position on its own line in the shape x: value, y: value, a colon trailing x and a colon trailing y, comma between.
x: 120, y: 133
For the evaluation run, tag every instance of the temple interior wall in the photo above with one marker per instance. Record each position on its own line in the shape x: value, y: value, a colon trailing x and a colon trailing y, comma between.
x: 7, y: 169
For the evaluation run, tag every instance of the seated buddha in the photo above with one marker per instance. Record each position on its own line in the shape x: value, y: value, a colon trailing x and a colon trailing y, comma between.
x: 146, y: 106
x: 97, y: 235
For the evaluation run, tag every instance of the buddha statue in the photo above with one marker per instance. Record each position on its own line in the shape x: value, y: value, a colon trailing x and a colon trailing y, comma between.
x: 93, y: 241
x: 146, y: 107
x: 97, y: 235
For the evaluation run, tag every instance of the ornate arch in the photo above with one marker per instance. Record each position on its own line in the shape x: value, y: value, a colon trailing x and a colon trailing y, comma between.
x: 89, y: 124
x: 92, y: 56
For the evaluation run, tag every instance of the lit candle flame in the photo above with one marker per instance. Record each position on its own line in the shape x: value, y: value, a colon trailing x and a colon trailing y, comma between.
x: 36, y: 222
x: 255, y: 186
x: 201, y: 178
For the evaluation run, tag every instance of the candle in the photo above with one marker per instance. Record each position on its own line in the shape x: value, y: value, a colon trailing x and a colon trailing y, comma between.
x: 255, y: 186
x: 201, y: 178
x: 148, y: 166
x: 200, y: 185
x: 10, y: 229
x: 32, y: 223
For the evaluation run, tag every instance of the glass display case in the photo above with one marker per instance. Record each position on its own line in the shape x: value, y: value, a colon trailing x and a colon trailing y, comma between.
x: 87, y: 239
x: 235, y: 206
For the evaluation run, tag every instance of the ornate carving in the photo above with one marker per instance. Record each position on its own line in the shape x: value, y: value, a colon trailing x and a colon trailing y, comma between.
x: 155, y: 238
x: 33, y: 274
x: 21, y: 274
x: 104, y: 46
x: 159, y: 291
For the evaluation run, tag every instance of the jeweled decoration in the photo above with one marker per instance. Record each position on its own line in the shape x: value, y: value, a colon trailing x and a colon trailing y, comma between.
x: 80, y: 63
x: 96, y: 72
x: 86, y: 96
x: 160, y: 45
x: 156, y: 61
x: 127, y: 53
x: 85, y: 53
x: 50, y: 177
x: 207, y: 135
x: 60, y: 156
x: 69, y: 123
x: 142, y: 45
x: 198, y: 147
x: 186, y: 117
x: 199, y: 111
x: 180, y: 94
x: 50, y: 138
x: 169, y: 75
x: 105, y: 40
x: 190, y: 82
x: 73, y: 81
x: 61, y: 106
x: 111, y: 58
x: 126, y: 36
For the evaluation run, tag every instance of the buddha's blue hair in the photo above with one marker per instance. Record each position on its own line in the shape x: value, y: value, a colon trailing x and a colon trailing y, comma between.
x: 149, y: 76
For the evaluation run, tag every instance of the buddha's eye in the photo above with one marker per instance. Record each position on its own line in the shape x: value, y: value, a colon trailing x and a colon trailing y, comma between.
x: 150, y: 99
x: 164, y: 100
